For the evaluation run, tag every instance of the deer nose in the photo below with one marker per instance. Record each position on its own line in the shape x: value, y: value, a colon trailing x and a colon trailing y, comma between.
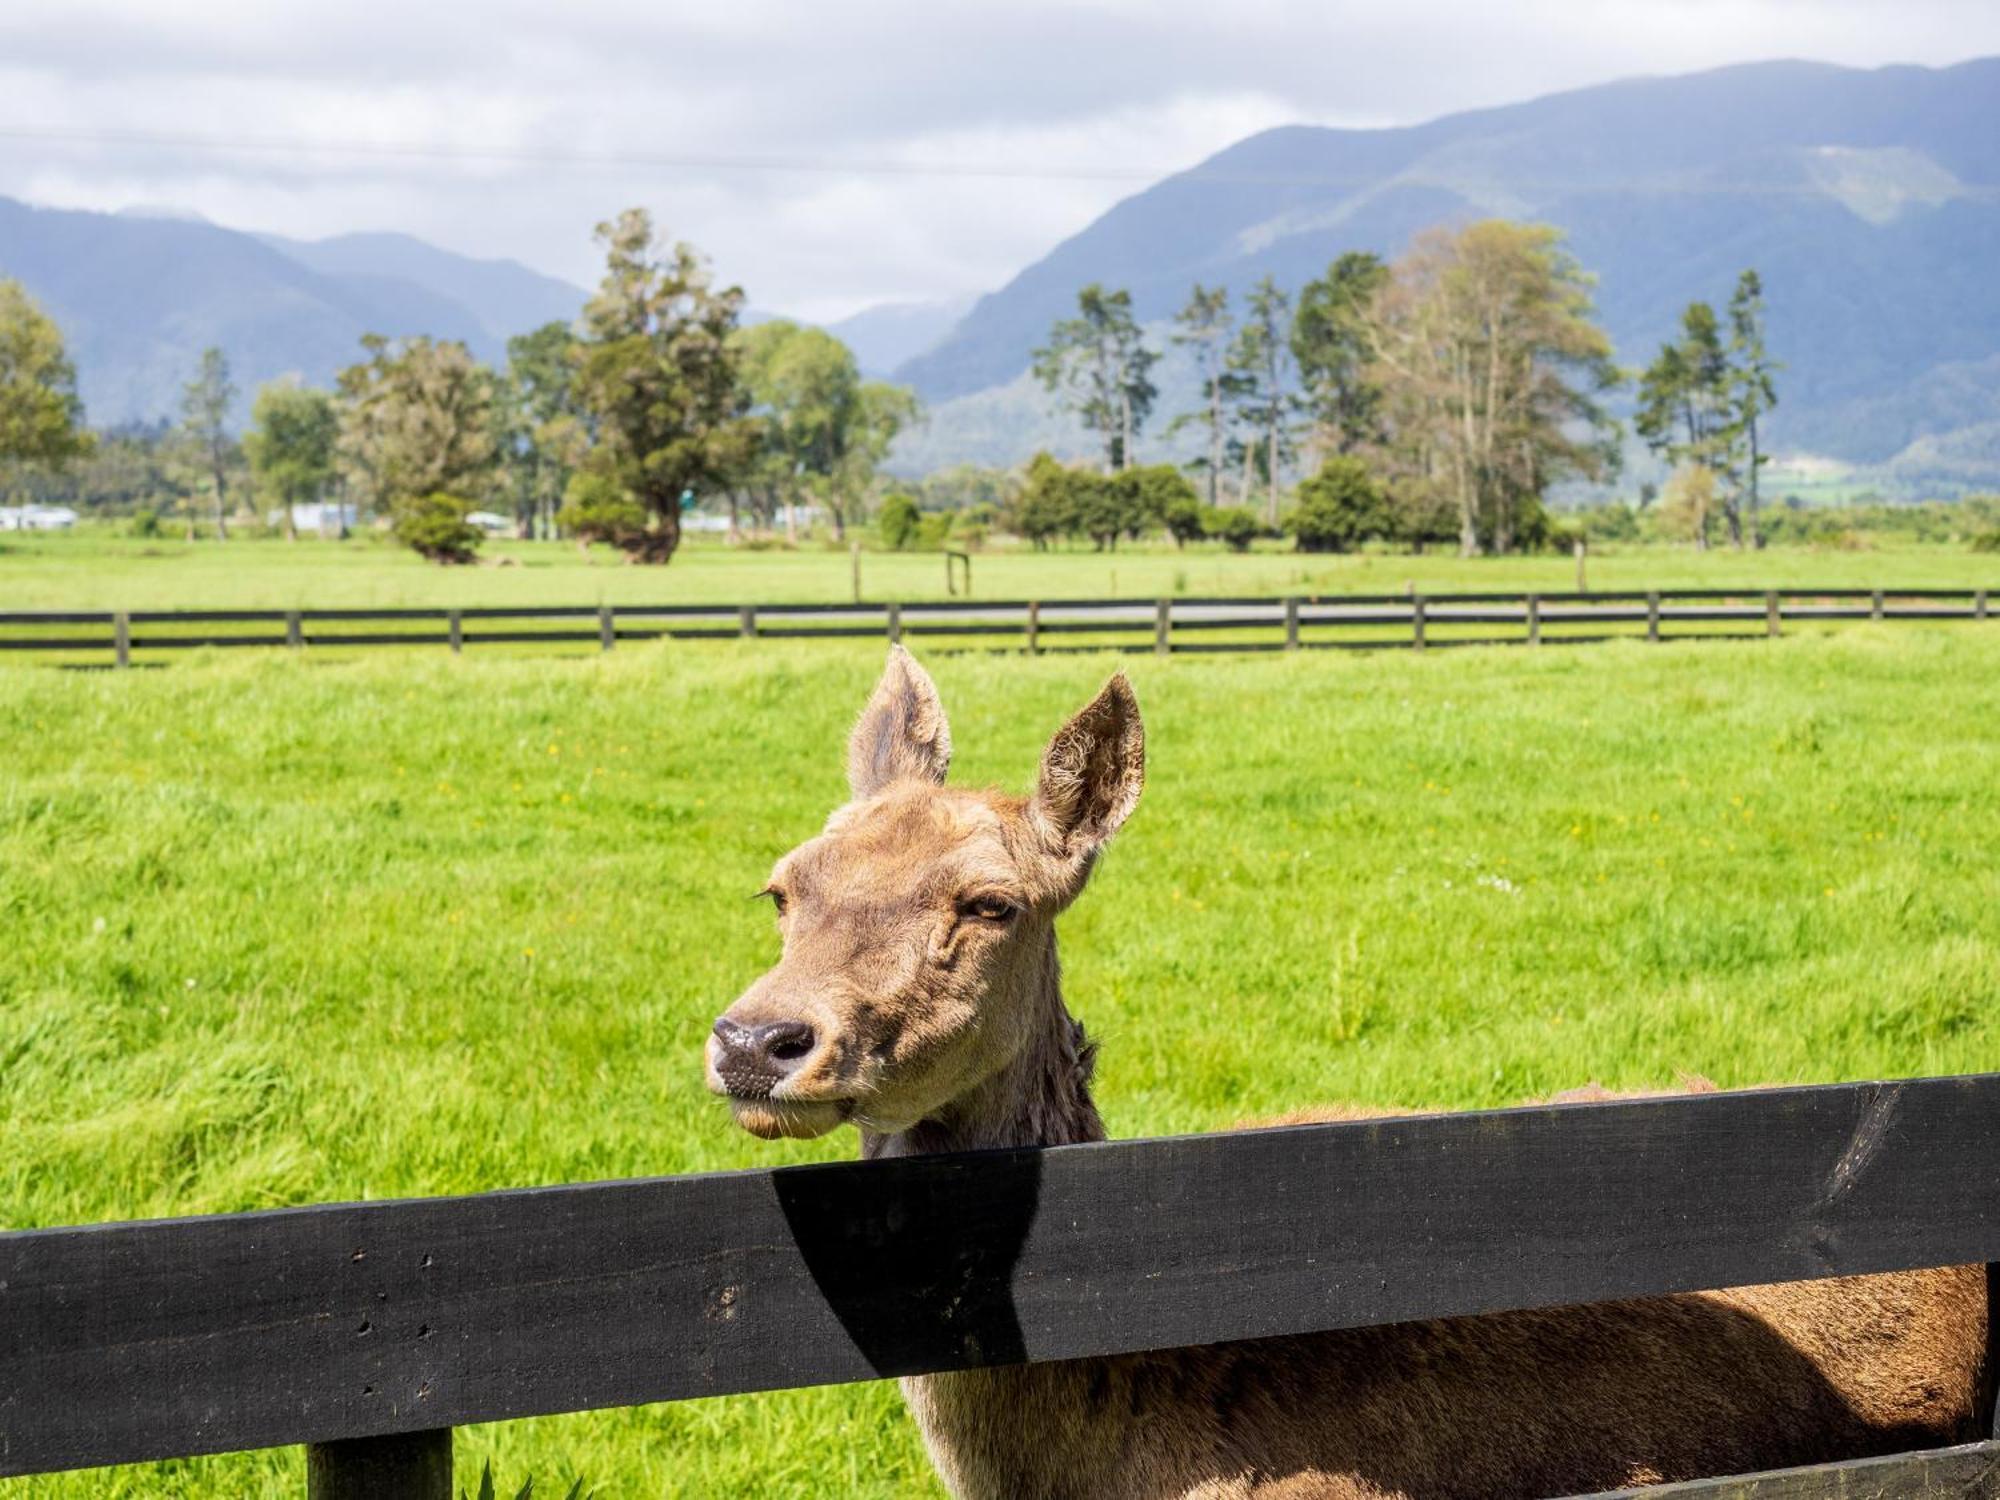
x: 752, y: 1059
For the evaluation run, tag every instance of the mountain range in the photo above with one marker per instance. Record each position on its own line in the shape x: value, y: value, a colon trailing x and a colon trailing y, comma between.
x: 140, y: 295
x: 1868, y: 200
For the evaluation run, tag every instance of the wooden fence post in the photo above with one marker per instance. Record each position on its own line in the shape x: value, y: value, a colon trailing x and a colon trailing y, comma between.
x: 1653, y: 616
x: 746, y: 621
x: 406, y: 1466
x: 1034, y: 626
x: 1417, y: 621
x: 1163, y: 620
x: 1771, y: 626
x: 1534, y: 619
x: 1875, y: 605
x: 895, y: 617
x: 121, y: 638
x: 295, y: 629
x: 854, y: 566
x: 607, y: 627
x: 1979, y: 605
x: 1291, y: 624
x: 456, y: 625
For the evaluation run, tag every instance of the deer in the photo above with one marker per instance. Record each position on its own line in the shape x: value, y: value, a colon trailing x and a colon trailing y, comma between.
x: 918, y: 997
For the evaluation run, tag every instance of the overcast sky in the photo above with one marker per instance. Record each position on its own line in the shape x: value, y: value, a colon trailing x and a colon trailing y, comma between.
x: 826, y: 153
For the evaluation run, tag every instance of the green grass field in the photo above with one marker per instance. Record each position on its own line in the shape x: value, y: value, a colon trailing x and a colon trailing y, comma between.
x: 280, y: 931
x: 97, y: 570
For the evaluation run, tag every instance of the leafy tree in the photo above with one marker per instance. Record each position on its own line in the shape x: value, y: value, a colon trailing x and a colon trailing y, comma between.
x: 1683, y: 412
x: 1688, y: 505
x: 1752, y: 387
x: 1340, y: 507
x: 434, y: 526
x: 417, y: 421
x: 1204, y: 326
x: 1099, y: 365
x: 1330, y: 344
x: 1262, y: 361
x: 547, y: 431
x: 1182, y: 518
x: 41, y: 417
x: 1047, y: 507
x: 899, y: 521
x: 293, y: 429
x: 1149, y: 492
x: 658, y: 374
x: 205, y: 404
x: 1493, y: 370
x: 1235, y: 526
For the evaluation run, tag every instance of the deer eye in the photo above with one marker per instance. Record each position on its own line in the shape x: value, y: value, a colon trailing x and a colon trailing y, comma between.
x: 987, y: 908
x: 777, y: 898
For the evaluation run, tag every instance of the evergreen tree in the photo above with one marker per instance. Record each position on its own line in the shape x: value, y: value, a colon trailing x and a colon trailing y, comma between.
x: 1099, y: 365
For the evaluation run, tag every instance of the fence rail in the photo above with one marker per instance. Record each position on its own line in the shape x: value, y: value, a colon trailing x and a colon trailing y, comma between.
x: 369, y: 1330
x: 1356, y: 621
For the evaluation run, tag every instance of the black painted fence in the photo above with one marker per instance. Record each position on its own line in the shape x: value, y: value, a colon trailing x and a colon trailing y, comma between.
x: 1164, y: 625
x: 368, y: 1331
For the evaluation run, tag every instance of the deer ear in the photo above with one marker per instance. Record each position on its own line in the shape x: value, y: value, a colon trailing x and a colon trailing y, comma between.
x: 902, y: 730
x: 1092, y: 773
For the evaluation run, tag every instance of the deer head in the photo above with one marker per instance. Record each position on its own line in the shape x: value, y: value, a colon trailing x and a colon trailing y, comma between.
x: 919, y: 946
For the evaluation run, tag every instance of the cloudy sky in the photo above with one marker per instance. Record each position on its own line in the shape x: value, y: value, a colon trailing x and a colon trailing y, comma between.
x: 827, y: 153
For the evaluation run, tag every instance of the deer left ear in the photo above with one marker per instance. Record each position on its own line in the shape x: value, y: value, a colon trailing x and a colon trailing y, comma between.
x: 902, y: 730
x: 1092, y: 774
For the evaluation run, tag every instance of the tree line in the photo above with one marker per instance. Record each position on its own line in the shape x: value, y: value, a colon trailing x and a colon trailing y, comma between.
x: 609, y: 430
x: 1437, y: 397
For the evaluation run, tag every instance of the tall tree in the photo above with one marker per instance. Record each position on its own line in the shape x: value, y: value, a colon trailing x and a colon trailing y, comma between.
x: 1683, y: 413
x: 823, y: 429
x: 205, y: 404
x: 290, y: 445
x: 658, y: 374
x: 1330, y: 344
x: 1204, y: 326
x: 41, y: 417
x: 1098, y: 364
x: 1493, y: 367
x: 1752, y: 387
x: 547, y: 432
x: 1261, y: 359
x: 419, y: 438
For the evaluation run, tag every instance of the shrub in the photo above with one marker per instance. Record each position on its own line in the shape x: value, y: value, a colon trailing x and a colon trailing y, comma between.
x: 597, y: 508
x: 144, y: 523
x: 1234, y: 525
x: 1988, y: 541
x: 1183, y: 518
x: 1341, y: 507
x: 434, y: 526
x: 899, y: 522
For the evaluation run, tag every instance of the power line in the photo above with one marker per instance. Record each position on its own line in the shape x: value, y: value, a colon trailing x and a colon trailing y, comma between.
x: 884, y: 167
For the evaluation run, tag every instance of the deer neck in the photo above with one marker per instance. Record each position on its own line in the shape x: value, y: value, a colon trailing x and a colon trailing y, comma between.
x: 1040, y: 1098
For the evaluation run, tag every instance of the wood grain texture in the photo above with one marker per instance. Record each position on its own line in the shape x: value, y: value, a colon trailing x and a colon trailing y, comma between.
x: 123, y: 1342
x: 1971, y: 1472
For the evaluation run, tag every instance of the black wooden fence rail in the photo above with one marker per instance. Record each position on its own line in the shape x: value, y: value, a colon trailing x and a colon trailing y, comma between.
x: 368, y: 1331
x: 1354, y: 621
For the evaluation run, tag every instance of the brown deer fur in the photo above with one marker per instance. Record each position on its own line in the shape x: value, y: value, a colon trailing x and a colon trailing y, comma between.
x: 919, y: 948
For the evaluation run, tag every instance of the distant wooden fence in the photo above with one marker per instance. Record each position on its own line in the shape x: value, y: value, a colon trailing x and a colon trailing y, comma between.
x: 1165, y: 625
x: 368, y: 1331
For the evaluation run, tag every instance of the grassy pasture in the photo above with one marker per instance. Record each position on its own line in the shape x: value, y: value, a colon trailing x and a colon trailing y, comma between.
x: 94, y: 569
x: 279, y: 931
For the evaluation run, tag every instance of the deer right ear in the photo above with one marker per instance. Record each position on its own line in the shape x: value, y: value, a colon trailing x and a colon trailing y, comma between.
x: 1091, y: 776
x: 902, y: 730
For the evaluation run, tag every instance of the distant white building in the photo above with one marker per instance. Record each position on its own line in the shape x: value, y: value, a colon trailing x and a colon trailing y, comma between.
x: 490, y: 521
x: 37, y: 518
x: 318, y: 518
